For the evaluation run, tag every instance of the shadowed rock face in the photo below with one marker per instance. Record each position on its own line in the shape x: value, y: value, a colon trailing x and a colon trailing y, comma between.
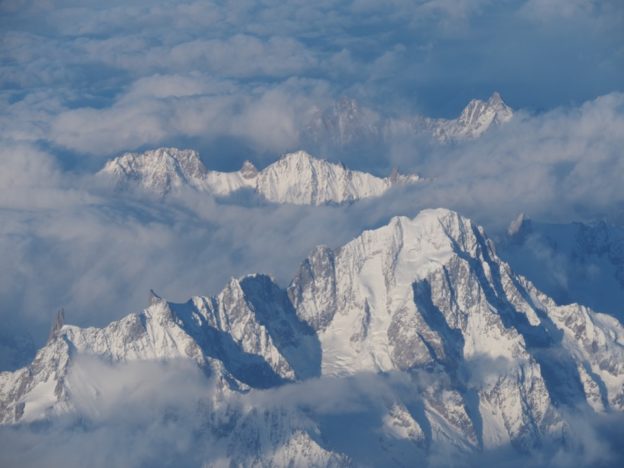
x: 57, y: 325
x: 575, y: 262
x: 486, y: 360
x: 313, y: 291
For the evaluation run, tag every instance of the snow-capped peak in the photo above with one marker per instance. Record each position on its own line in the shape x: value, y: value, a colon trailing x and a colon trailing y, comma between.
x: 59, y: 321
x: 346, y: 122
x: 248, y: 170
x: 479, y: 115
x: 488, y: 361
x: 161, y: 170
x: 154, y: 298
x: 297, y: 157
x: 496, y: 100
x: 297, y: 177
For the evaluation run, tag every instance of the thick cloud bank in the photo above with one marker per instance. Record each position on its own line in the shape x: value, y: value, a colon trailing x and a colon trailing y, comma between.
x: 564, y: 164
x: 148, y: 413
x: 235, y: 78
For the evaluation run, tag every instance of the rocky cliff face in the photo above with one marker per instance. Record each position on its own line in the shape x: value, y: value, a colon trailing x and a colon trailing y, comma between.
x: 483, y: 359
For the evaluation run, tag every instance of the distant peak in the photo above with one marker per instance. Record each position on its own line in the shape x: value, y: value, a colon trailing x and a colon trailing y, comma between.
x: 154, y: 298
x: 174, y: 151
x: 495, y: 98
x: 248, y: 170
x: 437, y: 217
x: 479, y: 115
x: 166, y: 151
x: 297, y: 177
x: 158, y: 170
x: 346, y: 103
x: 135, y: 161
x: 297, y: 155
x: 394, y: 175
x: 58, y: 323
x: 494, y: 101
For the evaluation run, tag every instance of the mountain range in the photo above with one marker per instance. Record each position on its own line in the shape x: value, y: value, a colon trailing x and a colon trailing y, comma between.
x: 296, y: 178
x: 467, y: 356
x: 347, y: 122
x: 299, y: 178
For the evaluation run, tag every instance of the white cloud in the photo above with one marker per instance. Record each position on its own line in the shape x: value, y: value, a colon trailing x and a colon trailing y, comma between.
x: 561, y: 165
x: 160, y: 414
x: 90, y: 60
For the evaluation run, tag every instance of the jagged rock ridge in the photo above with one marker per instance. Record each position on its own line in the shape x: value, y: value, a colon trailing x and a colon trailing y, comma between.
x: 296, y: 178
x: 490, y: 360
x: 347, y: 123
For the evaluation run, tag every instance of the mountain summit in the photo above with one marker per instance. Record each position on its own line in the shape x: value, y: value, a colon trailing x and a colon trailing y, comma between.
x: 475, y: 119
x: 346, y: 122
x: 483, y: 360
x: 296, y: 178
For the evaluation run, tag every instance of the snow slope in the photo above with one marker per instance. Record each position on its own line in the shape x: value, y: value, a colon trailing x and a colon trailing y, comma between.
x: 296, y: 178
x: 458, y: 354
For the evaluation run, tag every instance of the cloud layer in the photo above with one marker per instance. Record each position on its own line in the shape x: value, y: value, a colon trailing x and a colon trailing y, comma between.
x: 148, y: 413
x: 81, y: 81
x: 93, y: 81
x: 68, y: 242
